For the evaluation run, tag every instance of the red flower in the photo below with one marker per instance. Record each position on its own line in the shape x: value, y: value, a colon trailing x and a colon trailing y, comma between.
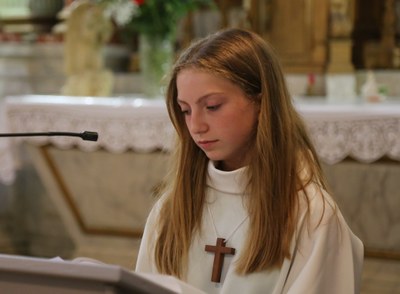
x: 139, y: 2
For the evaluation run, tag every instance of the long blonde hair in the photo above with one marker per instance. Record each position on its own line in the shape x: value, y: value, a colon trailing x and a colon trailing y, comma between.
x: 245, y: 59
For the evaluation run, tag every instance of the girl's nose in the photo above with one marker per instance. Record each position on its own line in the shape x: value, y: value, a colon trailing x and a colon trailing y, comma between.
x: 197, y: 123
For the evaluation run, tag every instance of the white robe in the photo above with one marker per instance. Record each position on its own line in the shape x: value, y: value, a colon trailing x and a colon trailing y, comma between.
x: 327, y: 258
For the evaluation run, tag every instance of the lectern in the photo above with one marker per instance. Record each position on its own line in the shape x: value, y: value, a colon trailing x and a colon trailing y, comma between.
x: 20, y: 274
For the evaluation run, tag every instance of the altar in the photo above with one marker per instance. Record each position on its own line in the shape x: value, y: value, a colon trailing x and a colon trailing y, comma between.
x: 80, y: 198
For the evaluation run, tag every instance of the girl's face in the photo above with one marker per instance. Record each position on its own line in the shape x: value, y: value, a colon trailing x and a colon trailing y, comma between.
x: 218, y: 115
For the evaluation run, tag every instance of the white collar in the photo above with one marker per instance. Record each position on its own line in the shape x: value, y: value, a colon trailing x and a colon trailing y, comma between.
x: 232, y: 182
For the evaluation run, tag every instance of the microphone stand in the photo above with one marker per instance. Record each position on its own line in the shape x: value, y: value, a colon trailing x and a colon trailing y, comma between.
x: 86, y: 135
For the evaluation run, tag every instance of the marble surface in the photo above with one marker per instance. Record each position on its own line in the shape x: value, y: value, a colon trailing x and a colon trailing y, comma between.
x: 369, y: 197
x: 114, y: 197
x: 71, y: 203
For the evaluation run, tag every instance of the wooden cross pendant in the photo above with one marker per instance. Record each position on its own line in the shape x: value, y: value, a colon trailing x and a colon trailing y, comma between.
x: 219, y: 250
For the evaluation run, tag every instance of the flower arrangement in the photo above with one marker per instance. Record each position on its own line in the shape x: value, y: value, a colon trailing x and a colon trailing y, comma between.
x: 151, y: 17
x: 155, y: 22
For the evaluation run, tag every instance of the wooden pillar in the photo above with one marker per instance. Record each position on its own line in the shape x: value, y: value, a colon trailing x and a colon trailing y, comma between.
x: 388, y: 39
x: 384, y: 54
x: 340, y: 77
x: 259, y: 15
x: 340, y: 42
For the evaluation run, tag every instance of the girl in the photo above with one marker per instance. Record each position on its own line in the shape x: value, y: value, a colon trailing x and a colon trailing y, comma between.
x: 245, y: 208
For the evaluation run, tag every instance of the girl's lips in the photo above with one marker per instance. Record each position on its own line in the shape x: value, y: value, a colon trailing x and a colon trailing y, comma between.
x: 206, y: 144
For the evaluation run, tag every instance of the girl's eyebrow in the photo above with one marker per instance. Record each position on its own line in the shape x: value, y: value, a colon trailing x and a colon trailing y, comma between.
x: 199, y: 100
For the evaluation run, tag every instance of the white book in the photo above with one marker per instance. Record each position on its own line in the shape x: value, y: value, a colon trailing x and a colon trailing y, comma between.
x: 22, y: 274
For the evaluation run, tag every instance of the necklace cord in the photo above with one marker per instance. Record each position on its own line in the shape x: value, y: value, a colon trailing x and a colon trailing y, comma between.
x: 215, y: 228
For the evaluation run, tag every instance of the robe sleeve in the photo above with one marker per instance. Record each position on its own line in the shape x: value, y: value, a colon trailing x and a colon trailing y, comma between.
x: 328, y: 257
x: 145, y: 260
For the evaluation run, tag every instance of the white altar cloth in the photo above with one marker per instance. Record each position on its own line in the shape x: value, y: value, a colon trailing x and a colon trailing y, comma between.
x: 366, y: 132
x: 122, y: 123
x: 363, y: 131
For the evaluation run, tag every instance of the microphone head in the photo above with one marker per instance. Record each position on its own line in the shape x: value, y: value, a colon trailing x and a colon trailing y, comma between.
x: 90, y: 136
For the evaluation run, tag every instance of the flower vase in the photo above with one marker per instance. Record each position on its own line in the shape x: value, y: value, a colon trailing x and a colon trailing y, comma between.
x: 156, y: 55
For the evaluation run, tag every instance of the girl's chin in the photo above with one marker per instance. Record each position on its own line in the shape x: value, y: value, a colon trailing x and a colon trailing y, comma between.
x: 212, y: 156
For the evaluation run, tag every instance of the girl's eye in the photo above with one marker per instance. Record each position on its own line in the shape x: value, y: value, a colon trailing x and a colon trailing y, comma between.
x: 213, y: 107
x: 185, y: 111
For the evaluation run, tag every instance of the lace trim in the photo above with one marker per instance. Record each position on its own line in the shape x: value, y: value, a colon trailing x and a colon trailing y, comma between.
x: 363, y: 140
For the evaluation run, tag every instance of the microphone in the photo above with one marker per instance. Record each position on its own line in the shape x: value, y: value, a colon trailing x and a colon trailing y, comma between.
x: 86, y: 135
